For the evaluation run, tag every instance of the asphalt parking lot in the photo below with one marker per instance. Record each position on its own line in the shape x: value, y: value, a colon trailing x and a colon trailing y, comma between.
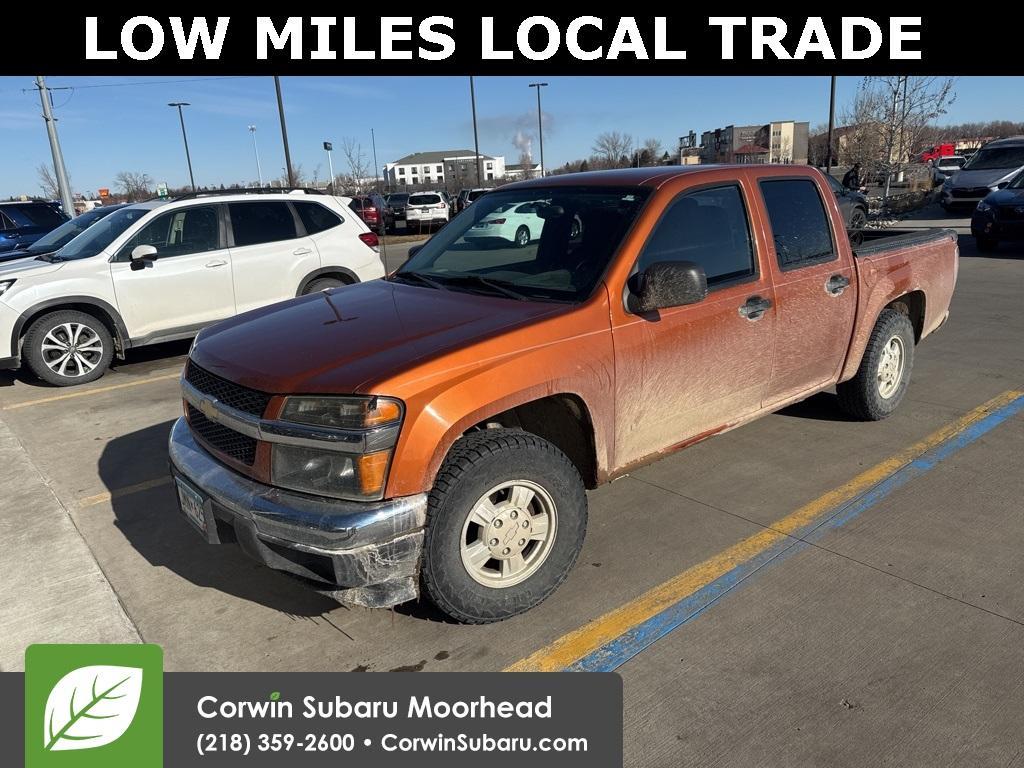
x: 891, y: 636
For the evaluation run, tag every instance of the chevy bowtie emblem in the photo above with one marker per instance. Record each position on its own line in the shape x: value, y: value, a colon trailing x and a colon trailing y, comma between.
x: 207, y: 408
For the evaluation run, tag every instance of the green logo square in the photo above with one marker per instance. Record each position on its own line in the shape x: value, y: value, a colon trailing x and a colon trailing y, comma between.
x: 94, y: 705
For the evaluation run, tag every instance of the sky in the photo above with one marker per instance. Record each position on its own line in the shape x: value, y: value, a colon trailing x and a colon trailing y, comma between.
x: 110, y: 124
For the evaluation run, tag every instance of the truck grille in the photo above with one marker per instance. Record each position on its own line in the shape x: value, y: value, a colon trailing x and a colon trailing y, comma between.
x: 237, y: 446
x: 232, y: 395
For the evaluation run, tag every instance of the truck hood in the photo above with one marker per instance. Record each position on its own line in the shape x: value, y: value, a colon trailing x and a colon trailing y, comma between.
x: 27, y: 268
x: 337, y: 341
x: 986, y: 178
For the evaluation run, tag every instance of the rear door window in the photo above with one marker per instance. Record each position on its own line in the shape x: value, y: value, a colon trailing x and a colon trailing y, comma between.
x: 261, y: 222
x: 800, y: 227
x: 708, y: 227
x: 316, y: 218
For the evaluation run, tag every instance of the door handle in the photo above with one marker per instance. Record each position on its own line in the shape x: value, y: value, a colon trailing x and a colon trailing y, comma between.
x: 755, y: 307
x: 215, y: 263
x: 301, y: 252
x: 836, y: 285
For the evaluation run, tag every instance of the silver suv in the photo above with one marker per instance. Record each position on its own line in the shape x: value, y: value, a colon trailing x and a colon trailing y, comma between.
x: 991, y: 168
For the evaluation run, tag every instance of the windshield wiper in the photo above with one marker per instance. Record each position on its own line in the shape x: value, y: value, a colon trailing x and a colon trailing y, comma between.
x: 500, y: 286
x: 420, y: 278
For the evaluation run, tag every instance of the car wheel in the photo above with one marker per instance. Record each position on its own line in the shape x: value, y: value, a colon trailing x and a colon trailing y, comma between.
x: 68, y: 347
x: 523, y: 237
x: 322, y: 284
x: 986, y: 244
x: 858, y: 220
x: 884, y: 374
x: 505, y: 523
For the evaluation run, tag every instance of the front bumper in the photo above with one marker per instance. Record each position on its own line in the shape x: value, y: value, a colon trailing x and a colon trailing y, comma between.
x: 995, y: 225
x: 8, y: 343
x: 360, y: 553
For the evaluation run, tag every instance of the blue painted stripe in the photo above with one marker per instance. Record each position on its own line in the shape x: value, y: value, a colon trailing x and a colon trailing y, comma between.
x: 617, y: 652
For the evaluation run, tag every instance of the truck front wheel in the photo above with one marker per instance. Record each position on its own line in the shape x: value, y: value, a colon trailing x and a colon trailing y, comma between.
x: 506, y: 522
x: 884, y: 372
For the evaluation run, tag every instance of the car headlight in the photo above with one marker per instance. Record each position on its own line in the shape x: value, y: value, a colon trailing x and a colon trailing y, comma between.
x: 5, y: 285
x: 369, y: 424
x: 983, y: 206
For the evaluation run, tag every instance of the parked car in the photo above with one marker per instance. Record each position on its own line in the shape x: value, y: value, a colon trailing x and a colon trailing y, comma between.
x: 853, y: 204
x: 426, y: 209
x: 1000, y: 216
x: 394, y: 214
x: 466, y: 197
x: 370, y: 208
x: 22, y: 223
x: 159, y: 271
x: 944, y: 167
x: 990, y: 168
x: 56, y: 239
x: 443, y: 436
x: 513, y: 222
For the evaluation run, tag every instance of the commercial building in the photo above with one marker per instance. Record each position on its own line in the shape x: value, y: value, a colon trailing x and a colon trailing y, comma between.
x: 784, y: 141
x: 520, y: 171
x: 450, y: 169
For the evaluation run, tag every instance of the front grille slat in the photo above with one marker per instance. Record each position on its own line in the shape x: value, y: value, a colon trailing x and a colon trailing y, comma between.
x: 232, y: 395
x: 239, y: 447
x: 218, y: 437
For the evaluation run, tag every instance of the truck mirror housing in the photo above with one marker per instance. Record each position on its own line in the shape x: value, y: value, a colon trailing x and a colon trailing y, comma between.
x: 670, y: 284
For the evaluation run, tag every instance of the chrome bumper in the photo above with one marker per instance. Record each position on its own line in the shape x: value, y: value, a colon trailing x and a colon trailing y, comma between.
x: 363, y: 553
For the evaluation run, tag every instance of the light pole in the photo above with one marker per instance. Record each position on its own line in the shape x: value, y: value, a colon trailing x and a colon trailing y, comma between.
x: 476, y: 140
x: 63, y: 185
x: 256, y: 149
x: 328, y: 147
x: 184, y: 136
x: 540, y: 124
x: 284, y: 133
x: 831, y: 125
x: 376, y: 170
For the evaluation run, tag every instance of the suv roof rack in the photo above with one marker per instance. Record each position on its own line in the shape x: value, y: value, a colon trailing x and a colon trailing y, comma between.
x: 249, y: 191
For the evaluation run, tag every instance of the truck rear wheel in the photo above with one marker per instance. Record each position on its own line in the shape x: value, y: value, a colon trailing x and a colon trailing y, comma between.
x: 884, y: 373
x: 505, y: 524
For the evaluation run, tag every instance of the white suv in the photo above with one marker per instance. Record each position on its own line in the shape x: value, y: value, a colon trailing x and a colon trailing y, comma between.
x: 427, y: 208
x: 159, y: 271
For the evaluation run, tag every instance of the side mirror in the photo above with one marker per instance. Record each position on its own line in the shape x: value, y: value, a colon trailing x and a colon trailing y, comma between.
x: 1002, y: 185
x: 413, y: 250
x: 141, y: 254
x: 670, y: 284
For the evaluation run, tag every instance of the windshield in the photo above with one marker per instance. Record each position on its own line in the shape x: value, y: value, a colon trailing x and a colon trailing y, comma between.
x: 954, y: 162
x: 556, y: 248
x: 66, y: 232
x: 37, y: 215
x: 101, y: 234
x: 996, y: 158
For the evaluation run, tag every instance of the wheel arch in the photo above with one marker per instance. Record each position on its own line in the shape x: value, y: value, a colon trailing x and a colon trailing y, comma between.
x: 90, y: 305
x: 341, y: 273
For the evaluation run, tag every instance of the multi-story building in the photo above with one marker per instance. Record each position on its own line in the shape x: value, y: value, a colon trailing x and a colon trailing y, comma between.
x: 449, y: 169
x: 520, y: 171
x: 784, y: 141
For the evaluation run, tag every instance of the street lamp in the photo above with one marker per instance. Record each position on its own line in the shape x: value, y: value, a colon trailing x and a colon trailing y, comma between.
x: 540, y: 124
x: 184, y: 136
x: 328, y: 148
x: 476, y: 138
x: 256, y: 149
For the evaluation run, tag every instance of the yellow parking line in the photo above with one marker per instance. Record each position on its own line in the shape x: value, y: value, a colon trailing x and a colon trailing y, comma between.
x: 87, y: 392
x: 117, y: 493
x: 577, y: 644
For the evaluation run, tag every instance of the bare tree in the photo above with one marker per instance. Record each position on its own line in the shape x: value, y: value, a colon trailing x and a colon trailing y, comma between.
x: 650, y: 152
x: 526, y: 163
x: 134, y: 186
x: 358, y: 166
x: 610, y: 148
x: 48, y: 181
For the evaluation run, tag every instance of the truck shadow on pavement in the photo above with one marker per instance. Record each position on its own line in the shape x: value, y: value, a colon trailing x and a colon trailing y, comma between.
x: 151, y: 522
x: 823, y: 406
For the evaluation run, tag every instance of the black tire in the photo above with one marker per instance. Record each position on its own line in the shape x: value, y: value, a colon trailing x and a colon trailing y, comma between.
x: 522, y: 236
x: 322, y: 284
x: 475, y: 464
x: 861, y: 396
x: 858, y: 220
x: 93, y: 334
x: 986, y: 244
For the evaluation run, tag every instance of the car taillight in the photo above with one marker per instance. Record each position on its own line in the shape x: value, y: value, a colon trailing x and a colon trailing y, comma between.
x: 370, y: 209
x: 494, y: 221
x: 370, y: 239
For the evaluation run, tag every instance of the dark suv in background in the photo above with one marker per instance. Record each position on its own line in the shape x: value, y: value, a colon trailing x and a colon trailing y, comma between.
x: 56, y: 239
x: 394, y: 215
x: 370, y: 208
x: 22, y: 223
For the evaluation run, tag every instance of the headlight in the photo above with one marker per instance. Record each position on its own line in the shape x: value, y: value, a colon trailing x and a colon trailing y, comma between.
x: 983, y: 206
x: 357, y: 476
x: 4, y: 285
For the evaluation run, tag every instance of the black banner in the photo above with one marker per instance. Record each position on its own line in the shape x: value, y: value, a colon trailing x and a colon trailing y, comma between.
x: 512, y: 44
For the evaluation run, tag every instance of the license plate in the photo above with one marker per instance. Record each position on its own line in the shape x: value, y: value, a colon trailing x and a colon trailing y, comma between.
x: 399, y: 223
x: 192, y: 504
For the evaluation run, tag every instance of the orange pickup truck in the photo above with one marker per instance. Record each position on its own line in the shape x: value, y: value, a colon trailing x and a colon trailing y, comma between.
x: 436, y: 431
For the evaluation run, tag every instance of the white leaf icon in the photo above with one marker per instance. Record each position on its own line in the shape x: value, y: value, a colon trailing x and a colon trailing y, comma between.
x: 91, y: 706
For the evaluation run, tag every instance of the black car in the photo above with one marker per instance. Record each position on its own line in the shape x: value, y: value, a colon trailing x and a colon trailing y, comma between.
x: 53, y: 241
x: 22, y: 223
x: 1000, y: 215
x: 394, y: 214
